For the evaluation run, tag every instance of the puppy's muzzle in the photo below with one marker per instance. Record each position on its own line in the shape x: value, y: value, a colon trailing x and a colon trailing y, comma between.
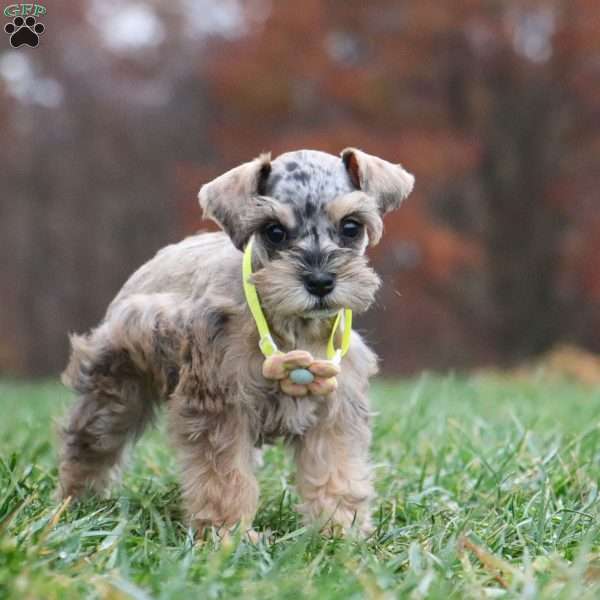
x: 319, y: 283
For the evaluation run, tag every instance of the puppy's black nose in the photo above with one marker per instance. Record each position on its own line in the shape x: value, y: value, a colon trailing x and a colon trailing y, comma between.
x: 319, y: 284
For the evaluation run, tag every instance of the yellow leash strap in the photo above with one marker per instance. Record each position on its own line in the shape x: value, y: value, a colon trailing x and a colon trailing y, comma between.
x: 266, y: 343
x: 336, y: 355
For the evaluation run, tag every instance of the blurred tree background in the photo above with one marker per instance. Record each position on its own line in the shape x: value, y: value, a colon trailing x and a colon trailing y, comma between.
x: 111, y: 125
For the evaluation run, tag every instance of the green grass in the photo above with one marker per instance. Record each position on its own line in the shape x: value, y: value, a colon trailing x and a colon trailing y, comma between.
x: 512, y: 467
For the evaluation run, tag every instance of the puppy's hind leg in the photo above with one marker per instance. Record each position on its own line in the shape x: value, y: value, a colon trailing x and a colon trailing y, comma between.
x: 114, y: 406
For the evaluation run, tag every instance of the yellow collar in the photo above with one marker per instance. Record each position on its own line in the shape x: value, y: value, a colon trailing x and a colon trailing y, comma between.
x: 266, y: 343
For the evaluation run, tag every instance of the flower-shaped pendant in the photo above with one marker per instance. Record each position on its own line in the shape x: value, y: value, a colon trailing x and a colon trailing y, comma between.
x: 300, y: 374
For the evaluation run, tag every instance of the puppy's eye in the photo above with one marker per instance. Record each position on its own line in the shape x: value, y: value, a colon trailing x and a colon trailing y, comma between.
x: 351, y: 228
x: 275, y: 233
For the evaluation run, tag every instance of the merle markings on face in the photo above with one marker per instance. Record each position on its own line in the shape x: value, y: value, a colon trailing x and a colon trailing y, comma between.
x: 312, y: 216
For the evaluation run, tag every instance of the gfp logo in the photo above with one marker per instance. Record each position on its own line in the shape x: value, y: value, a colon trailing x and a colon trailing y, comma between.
x: 25, y: 28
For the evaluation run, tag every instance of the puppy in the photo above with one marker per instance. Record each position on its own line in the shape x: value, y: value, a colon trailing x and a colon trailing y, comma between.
x: 180, y: 333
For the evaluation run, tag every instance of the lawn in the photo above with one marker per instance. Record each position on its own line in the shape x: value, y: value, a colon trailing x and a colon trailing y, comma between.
x: 487, y: 487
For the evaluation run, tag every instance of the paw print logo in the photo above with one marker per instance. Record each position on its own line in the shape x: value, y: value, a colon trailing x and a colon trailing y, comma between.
x: 24, y: 31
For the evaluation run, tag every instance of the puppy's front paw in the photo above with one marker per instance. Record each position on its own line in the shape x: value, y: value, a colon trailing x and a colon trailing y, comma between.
x: 337, y: 520
x: 226, y: 535
x: 337, y: 530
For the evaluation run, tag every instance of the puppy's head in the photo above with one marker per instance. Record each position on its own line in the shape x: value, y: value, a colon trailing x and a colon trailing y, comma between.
x: 312, y: 216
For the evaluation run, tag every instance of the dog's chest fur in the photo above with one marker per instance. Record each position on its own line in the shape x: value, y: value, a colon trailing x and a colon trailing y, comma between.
x: 282, y: 415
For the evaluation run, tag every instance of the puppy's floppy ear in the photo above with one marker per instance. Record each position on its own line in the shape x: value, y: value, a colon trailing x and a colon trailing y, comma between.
x: 389, y: 184
x: 228, y: 198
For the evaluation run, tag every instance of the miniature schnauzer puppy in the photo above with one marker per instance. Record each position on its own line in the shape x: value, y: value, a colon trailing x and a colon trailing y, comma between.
x: 180, y: 333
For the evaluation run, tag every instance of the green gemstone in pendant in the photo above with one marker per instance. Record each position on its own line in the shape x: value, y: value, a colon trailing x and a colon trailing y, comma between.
x: 302, y: 376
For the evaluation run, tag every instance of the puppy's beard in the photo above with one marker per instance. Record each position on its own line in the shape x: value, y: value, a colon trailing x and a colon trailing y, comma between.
x: 320, y: 313
x: 282, y: 292
x: 321, y: 309
x: 293, y: 300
